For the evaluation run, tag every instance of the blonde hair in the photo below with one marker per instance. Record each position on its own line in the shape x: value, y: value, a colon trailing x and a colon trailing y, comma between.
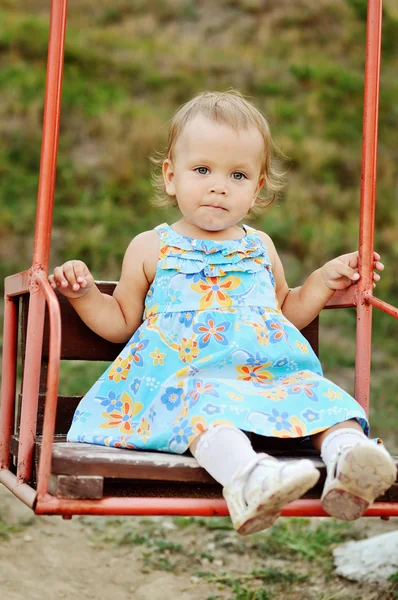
x: 228, y: 108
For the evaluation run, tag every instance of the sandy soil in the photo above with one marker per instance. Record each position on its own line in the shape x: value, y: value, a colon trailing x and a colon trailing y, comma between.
x: 48, y: 558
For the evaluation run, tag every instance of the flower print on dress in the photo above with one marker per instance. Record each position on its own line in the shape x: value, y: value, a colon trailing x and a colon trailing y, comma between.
x: 280, y: 419
x: 135, y: 350
x: 122, y: 419
x: 121, y: 442
x: 120, y: 369
x: 144, y: 430
x: 261, y: 332
x: 276, y: 331
x: 172, y: 397
x: 199, y: 389
x: 302, y: 347
x: 110, y: 401
x: 332, y: 394
x: 135, y: 385
x: 258, y: 359
x: 174, y: 296
x: 212, y: 409
x: 182, y: 432
x: 81, y: 416
x: 186, y: 317
x: 310, y: 415
x: 157, y: 356
x: 213, y: 291
x: 199, y: 424
x: 308, y: 387
x: 188, y: 350
x: 282, y: 362
x: 276, y: 393
x: 209, y: 331
x: 295, y: 429
x: 194, y: 276
x: 252, y: 373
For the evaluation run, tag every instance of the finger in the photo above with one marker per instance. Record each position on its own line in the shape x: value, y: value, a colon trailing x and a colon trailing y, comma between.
x: 59, y: 277
x: 78, y: 272
x: 376, y: 277
x: 82, y: 273
x: 52, y: 281
x: 69, y: 273
x: 347, y: 271
x: 353, y: 259
x: 378, y: 265
x: 376, y: 256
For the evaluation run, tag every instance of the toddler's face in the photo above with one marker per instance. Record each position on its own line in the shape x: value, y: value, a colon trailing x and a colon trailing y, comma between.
x: 215, y: 173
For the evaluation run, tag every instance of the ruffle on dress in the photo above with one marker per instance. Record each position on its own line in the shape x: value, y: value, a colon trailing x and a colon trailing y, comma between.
x: 212, y: 258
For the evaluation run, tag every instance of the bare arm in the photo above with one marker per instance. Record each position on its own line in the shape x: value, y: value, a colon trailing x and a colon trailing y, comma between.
x: 302, y: 304
x: 115, y: 317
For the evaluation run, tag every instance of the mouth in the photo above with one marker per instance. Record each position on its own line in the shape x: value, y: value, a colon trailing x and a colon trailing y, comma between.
x: 213, y: 207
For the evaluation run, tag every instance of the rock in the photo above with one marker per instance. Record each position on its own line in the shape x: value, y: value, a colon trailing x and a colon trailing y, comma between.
x: 372, y: 560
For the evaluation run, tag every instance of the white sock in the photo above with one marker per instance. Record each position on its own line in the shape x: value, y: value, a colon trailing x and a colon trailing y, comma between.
x: 223, y: 450
x: 336, y: 440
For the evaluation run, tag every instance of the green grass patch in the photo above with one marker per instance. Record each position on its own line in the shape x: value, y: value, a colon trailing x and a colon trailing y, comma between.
x: 8, y: 529
x: 296, y: 537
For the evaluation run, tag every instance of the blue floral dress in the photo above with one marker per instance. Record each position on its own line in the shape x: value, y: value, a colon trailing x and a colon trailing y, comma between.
x: 214, y: 347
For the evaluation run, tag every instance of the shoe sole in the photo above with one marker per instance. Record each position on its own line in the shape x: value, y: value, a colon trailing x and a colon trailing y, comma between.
x: 270, y: 509
x: 345, y: 498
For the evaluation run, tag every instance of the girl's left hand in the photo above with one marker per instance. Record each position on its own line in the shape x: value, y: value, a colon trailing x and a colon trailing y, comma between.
x: 341, y: 272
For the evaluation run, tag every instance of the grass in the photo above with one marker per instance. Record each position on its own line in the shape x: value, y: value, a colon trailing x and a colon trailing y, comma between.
x: 8, y: 529
x: 293, y: 557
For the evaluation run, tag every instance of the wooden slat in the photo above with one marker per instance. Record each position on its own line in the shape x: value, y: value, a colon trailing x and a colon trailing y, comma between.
x: 78, y: 341
x: 90, y: 487
x: 90, y: 459
x: 65, y: 410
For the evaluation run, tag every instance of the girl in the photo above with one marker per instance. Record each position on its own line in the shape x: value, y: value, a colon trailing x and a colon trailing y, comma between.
x: 212, y: 331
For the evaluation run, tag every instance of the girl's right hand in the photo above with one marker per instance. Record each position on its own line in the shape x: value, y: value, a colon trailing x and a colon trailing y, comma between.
x: 72, y: 279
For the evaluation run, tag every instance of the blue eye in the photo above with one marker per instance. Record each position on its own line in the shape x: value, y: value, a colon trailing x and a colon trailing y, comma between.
x: 202, y: 170
x: 241, y: 176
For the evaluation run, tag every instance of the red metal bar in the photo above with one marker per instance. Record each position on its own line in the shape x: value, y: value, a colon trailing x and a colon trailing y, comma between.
x: 49, y: 505
x: 8, y: 381
x: 384, y: 306
x: 21, y: 490
x: 49, y: 148
x: 368, y: 200
x: 17, y: 284
x: 52, y: 384
x: 41, y: 251
x: 30, y: 385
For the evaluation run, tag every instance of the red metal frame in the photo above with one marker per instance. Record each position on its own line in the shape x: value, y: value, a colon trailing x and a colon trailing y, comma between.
x: 35, y: 282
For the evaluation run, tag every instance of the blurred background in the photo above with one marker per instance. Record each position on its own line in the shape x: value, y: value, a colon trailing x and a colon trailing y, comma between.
x: 129, y: 64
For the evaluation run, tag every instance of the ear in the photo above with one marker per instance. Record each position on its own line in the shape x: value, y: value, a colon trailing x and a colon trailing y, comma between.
x: 260, y: 184
x: 168, y: 176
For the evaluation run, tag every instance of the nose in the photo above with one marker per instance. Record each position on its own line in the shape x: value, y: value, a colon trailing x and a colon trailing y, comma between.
x: 218, y: 188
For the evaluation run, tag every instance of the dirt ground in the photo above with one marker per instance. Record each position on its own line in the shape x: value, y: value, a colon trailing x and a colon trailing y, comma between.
x: 135, y: 559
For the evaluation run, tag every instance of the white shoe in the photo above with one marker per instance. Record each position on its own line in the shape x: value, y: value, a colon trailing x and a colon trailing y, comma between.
x: 359, y: 474
x: 287, y: 481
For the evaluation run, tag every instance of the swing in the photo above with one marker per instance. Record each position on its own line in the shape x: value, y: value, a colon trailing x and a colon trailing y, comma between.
x: 54, y: 477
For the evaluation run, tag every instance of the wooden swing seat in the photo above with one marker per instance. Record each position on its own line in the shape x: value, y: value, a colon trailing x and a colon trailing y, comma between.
x: 90, y: 471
